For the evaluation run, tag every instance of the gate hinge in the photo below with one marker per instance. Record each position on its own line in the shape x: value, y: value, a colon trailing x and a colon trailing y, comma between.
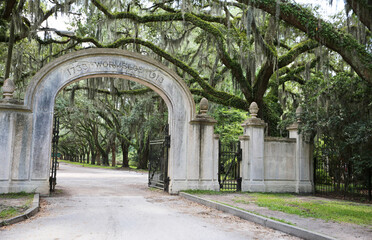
x: 167, y: 141
x: 240, y: 155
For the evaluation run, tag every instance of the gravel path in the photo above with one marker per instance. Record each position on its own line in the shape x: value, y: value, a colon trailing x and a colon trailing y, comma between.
x: 95, y: 203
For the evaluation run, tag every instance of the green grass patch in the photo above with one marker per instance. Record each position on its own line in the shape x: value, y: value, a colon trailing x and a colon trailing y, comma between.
x: 17, y: 195
x: 7, y: 211
x: 10, y: 212
x: 134, y: 168
x: 245, y: 210
x: 338, y: 211
x: 203, y: 192
x: 89, y: 165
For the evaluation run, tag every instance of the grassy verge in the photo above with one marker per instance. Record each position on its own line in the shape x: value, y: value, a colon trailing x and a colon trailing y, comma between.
x: 203, y: 192
x: 256, y: 213
x: 88, y: 165
x: 329, y: 210
x: 8, y: 211
x: 102, y: 166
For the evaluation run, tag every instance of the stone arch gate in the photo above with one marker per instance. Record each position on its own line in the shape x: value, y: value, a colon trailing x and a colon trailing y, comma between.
x: 26, y: 128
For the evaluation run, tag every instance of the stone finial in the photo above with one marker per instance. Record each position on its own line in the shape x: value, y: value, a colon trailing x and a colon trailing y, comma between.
x: 8, y: 88
x: 298, y: 113
x: 204, y: 105
x: 253, y: 109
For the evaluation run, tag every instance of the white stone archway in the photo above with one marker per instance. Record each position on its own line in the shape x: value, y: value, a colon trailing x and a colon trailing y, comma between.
x: 26, y: 129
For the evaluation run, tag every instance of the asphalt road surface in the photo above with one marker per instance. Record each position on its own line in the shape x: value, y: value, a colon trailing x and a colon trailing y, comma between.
x: 92, y: 203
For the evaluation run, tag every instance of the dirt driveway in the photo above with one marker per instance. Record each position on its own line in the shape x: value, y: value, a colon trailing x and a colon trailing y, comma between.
x: 110, y: 204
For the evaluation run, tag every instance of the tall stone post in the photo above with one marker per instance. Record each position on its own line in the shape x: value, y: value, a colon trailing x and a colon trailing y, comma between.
x: 203, y: 171
x: 252, y: 165
x: 303, y: 166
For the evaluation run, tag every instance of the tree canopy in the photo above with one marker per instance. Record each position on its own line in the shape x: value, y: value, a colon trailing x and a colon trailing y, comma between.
x: 231, y: 52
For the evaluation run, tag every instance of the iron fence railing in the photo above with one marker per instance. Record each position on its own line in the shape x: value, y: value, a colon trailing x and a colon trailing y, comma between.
x: 229, y: 166
x: 341, y: 180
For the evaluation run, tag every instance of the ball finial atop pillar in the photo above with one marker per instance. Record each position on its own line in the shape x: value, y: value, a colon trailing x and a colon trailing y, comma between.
x: 253, y: 109
x: 8, y: 89
x: 204, y: 105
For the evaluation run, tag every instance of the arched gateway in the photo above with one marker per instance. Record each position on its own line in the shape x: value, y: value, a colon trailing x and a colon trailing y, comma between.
x: 26, y: 129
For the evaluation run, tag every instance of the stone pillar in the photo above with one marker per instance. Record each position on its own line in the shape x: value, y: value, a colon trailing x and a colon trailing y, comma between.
x: 303, y: 166
x: 252, y: 166
x: 203, y: 170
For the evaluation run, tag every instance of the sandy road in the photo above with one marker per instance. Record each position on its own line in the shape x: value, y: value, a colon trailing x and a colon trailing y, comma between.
x: 110, y: 204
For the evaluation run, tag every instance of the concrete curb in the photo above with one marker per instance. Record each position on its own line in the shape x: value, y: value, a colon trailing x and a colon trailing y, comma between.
x: 267, y: 222
x: 27, y: 214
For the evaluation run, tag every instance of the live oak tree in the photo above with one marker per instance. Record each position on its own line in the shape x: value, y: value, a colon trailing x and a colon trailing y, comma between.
x: 98, y: 114
x: 231, y: 52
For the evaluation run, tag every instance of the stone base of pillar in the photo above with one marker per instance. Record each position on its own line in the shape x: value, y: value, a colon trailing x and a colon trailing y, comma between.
x: 281, y: 186
x: 277, y: 186
x: 179, y: 185
x: 253, y: 186
x: 305, y: 187
x: 41, y: 187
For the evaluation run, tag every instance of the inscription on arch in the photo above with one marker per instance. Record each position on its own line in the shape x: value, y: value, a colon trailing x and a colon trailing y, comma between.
x: 118, y: 66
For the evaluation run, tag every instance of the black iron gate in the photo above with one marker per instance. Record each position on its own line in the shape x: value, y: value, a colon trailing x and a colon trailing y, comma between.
x: 54, y: 163
x: 158, y: 162
x: 230, y: 156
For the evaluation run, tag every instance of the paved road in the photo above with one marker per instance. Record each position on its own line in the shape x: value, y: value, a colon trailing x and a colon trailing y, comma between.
x: 112, y: 204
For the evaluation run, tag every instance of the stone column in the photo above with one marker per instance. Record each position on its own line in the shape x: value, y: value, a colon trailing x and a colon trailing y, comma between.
x: 203, y: 169
x: 303, y: 157
x: 252, y: 166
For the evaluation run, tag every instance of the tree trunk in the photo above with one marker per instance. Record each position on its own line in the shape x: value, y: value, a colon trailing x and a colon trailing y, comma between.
x: 125, y: 150
x: 143, y: 155
x: 105, y: 159
x: 113, y: 155
x: 88, y: 155
x: 94, y: 157
x: 98, y: 158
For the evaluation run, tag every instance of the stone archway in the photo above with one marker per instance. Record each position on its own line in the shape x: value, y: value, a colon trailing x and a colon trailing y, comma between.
x: 26, y: 131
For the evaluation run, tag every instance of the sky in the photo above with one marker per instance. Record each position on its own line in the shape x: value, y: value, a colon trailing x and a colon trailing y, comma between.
x: 325, y: 10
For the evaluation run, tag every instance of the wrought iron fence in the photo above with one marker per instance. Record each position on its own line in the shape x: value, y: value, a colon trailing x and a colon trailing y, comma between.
x: 341, y: 180
x: 229, y: 166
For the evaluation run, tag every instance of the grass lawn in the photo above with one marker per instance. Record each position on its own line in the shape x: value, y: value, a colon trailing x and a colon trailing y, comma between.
x: 88, y: 165
x: 326, y: 209
x: 101, y: 166
x: 329, y: 210
x: 13, y: 204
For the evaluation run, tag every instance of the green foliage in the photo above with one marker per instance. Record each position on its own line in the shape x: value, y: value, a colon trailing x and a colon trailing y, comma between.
x: 323, y: 177
x: 338, y: 112
x: 229, y: 121
x: 338, y: 115
x: 94, y: 120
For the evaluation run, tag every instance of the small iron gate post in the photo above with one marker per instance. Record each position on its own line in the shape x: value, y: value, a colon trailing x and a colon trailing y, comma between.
x: 158, y: 162
x: 229, y: 159
x: 53, y: 173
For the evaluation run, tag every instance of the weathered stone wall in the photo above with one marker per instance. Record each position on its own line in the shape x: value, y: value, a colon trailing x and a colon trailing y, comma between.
x: 280, y: 159
x: 274, y: 164
x: 26, y: 129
